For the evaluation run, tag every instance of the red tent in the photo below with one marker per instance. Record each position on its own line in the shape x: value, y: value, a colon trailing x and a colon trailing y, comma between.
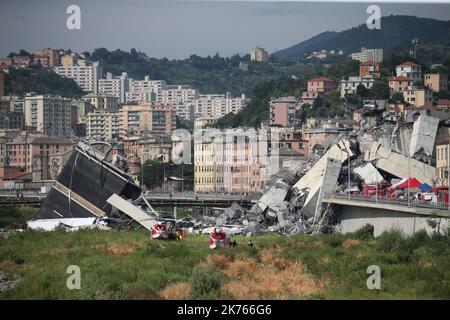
x: 413, y: 183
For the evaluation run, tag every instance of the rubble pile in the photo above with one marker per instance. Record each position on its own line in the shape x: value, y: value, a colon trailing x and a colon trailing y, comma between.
x: 370, y: 154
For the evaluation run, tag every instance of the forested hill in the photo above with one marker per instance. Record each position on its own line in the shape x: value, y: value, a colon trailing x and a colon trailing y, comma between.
x: 395, y: 34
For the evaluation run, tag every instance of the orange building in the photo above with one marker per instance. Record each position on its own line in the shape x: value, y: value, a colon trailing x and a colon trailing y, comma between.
x: 369, y: 68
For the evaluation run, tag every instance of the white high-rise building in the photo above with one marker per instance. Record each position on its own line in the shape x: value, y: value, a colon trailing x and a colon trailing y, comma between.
x: 365, y: 55
x: 114, y: 86
x: 49, y: 114
x: 185, y: 111
x: 102, y: 126
x: 143, y: 91
x: 84, y: 74
x: 177, y: 94
x: 218, y: 105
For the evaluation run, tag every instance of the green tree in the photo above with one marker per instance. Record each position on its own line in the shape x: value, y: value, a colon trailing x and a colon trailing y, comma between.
x: 397, y: 97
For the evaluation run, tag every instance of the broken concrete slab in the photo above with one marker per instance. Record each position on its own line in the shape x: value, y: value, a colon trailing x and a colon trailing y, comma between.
x: 399, y: 165
x: 423, y: 135
x: 368, y: 173
x: 340, y: 151
x: 52, y: 224
x: 132, y: 211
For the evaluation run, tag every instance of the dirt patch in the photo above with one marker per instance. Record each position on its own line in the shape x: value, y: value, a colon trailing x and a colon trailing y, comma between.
x: 214, y: 260
x: 325, y: 260
x: 119, y: 250
x: 350, y: 243
x: 318, y: 244
x: 177, y: 291
x: 426, y: 264
x: 273, y: 278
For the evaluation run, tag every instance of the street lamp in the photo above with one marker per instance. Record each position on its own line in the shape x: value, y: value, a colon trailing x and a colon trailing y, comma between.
x: 409, y: 168
x: 349, y: 170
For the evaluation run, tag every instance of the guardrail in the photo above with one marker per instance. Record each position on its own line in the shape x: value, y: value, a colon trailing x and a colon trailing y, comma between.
x: 393, y: 201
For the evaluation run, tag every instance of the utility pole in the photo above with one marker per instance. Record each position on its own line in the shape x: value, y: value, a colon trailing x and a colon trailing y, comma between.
x: 409, y: 180
x: 182, y: 177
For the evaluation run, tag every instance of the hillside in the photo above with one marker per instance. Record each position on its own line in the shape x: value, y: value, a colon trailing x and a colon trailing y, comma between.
x: 41, y: 81
x: 395, y: 34
x: 214, y: 74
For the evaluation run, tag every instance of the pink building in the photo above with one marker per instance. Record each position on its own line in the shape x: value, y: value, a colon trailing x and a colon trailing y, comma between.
x: 321, y: 84
x: 282, y: 111
x: 21, y: 152
x: 316, y: 87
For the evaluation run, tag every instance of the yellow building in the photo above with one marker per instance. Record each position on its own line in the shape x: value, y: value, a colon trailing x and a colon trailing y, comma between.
x: 102, y: 102
x: 148, y: 118
x: 436, y: 82
x: 400, y: 84
x: 208, y: 165
x: 419, y: 97
x: 68, y: 60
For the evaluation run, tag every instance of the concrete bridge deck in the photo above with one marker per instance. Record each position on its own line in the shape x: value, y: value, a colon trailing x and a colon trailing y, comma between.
x: 440, y: 209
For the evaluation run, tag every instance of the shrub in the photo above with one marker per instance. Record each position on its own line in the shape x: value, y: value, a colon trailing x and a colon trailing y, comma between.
x: 365, y: 232
x: 390, y: 241
x: 204, y: 281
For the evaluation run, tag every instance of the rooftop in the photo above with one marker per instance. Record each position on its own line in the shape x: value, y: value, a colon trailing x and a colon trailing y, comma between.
x: 320, y: 79
x: 409, y: 64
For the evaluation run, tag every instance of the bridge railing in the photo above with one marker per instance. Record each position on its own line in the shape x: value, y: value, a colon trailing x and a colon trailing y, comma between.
x: 390, y: 200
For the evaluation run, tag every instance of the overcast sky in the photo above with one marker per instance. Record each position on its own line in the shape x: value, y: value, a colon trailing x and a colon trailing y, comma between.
x: 177, y: 29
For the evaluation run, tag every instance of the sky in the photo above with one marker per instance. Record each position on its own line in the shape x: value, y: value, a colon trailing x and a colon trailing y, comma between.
x: 177, y: 29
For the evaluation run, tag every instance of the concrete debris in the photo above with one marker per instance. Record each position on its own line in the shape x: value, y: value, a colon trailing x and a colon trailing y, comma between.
x: 368, y: 173
x: 399, y: 165
x: 231, y: 213
x: 423, y: 135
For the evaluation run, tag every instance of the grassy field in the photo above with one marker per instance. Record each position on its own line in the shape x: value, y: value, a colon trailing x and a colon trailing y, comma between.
x: 128, y: 265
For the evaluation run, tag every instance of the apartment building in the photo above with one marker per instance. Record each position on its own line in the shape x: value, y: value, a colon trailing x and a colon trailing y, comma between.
x: 228, y: 164
x: 85, y: 75
x: 208, y: 165
x: 48, y: 54
x: 114, y: 86
x: 142, y: 91
x: 102, y: 102
x: 151, y: 147
x: 146, y: 119
x: 282, y: 111
x: 49, y: 115
x: 102, y: 126
x: 186, y: 111
x: 419, y: 97
x: 365, y: 55
x: 400, y: 84
x: 369, y: 69
x: 351, y: 85
x: 218, y: 105
x: 177, y: 94
x: 442, y: 162
x: 410, y: 70
x: 436, y: 81
x: 316, y: 87
x: 24, y: 149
